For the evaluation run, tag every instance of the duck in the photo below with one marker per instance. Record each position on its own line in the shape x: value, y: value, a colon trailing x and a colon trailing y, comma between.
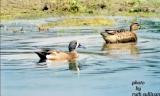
x: 122, y: 35
x: 42, y: 28
x: 48, y: 54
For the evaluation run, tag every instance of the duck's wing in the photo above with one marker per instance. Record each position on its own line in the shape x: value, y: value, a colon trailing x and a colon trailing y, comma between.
x: 57, y: 55
x: 111, y: 32
x: 121, y: 30
x: 54, y: 52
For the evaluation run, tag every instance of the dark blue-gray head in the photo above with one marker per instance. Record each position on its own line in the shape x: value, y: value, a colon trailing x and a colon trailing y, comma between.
x: 73, y: 45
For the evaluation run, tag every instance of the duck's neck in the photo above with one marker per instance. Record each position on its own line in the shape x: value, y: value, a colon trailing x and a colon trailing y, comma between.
x: 132, y: 29
x: 73, y: 54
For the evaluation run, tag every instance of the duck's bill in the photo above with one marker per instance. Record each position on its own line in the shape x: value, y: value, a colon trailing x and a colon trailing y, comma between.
x: 139, y: 27
x: 81, y: 46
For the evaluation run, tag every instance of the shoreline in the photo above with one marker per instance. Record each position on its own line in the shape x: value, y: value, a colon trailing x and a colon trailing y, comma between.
x: 125, y: 14
x: 44, y: 21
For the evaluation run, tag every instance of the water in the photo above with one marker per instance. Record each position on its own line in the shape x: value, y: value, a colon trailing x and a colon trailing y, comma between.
x: 101, y: 70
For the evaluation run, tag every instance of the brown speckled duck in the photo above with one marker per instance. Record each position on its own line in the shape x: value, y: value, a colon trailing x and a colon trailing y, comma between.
x: 122, y: 35
x: 47, y: 54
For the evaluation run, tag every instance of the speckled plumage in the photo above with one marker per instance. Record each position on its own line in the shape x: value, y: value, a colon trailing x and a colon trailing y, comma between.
x: 121, y: 36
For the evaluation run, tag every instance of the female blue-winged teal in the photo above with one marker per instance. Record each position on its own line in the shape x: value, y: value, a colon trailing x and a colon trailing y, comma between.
x: 59, y: 55
x: 122, y: 35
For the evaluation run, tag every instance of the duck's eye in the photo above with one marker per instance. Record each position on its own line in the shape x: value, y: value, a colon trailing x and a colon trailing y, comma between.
x: 75, y: 43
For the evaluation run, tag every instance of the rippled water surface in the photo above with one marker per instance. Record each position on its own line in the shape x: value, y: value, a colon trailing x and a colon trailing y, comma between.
x: 100, y: 70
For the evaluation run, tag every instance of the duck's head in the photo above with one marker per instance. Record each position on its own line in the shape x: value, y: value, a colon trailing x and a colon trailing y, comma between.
x: 73, y: 45
x: 134, y: 26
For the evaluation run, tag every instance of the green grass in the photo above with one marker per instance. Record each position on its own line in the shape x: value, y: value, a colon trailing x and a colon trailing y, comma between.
x: 98, y: 21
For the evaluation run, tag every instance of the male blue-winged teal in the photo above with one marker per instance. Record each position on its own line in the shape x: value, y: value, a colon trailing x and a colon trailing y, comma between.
x: 122, y: 35
x: 47, y: 54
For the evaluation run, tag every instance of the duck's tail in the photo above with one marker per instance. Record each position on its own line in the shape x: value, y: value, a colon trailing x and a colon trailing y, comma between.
x: 42, y: 54
x: 104, y: 34
x: 108, y: 32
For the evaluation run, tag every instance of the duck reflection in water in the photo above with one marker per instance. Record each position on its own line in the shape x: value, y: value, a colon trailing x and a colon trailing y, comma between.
x: 121, y: 48
x: 72, y: 65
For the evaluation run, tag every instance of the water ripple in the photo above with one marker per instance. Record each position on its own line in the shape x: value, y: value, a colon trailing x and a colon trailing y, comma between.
x: 98, y: 65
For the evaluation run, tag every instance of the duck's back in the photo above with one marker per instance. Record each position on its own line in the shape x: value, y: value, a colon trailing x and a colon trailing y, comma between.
x: 59, y: 55
x: 125, y: 37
